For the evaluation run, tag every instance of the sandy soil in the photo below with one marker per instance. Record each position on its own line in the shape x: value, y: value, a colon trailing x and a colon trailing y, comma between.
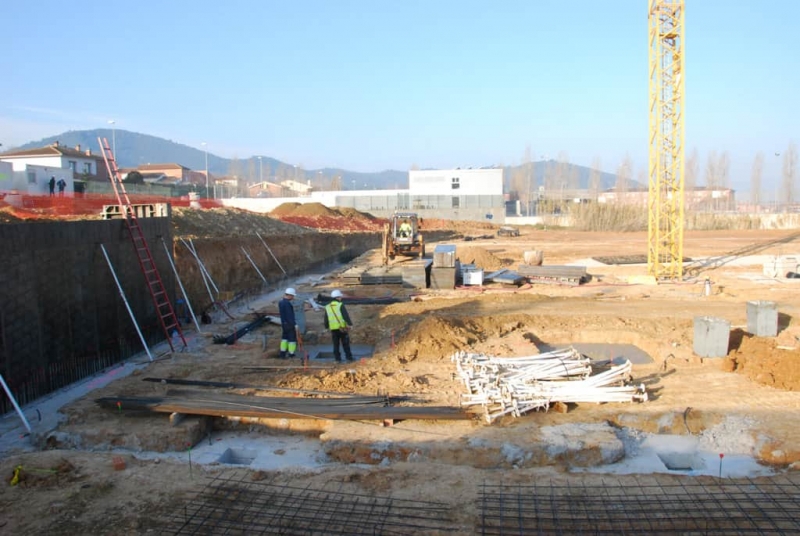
x: 75, y: 490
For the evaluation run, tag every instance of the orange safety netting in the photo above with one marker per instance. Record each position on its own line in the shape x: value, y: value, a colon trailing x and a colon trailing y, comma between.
x: 29, y: 207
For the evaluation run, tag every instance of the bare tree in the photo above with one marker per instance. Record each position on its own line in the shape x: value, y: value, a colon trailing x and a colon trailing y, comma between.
x: 724, y: 170
x: 711, y: 170
x: 690, y: 170
x: 283, y: 172
x: 530, y: 180
x: 520, y: 182
x: 336, y: 183
x: 712, y: 179
x: 595, y: 178
x: 756, y: 175
x: 562, y: 175
x: 690, y: 178
x: 789, y: 173
x: 235, y: 167
x: 252, y: 174
x: 624, y: 174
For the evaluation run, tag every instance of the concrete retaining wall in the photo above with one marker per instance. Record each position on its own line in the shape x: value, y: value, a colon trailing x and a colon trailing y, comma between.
x: 62, y: 318
x: 61, y: 315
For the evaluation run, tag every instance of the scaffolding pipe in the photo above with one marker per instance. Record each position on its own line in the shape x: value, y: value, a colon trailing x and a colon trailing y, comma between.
x: 206, y: 273
x: 202, y: 270
x: 14, y: 402
x: 127, y: 305
x: 246, y: 254
x: 271, y: 253
x: 180, y: 284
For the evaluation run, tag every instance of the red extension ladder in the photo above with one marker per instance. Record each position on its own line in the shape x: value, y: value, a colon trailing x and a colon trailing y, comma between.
x: 166, y: 314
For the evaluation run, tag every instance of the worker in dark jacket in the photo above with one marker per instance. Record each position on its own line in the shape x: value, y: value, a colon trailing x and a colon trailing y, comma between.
x: 288, y: 324
x: 338, y: 321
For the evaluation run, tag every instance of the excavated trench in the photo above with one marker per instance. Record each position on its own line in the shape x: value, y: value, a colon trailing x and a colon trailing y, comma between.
x: 669, y: 439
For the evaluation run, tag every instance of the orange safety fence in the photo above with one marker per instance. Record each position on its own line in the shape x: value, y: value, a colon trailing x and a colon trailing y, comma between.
x: 48, y: 207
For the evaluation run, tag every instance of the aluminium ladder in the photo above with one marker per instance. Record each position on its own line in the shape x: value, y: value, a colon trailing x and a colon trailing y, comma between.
x: 165, y: 312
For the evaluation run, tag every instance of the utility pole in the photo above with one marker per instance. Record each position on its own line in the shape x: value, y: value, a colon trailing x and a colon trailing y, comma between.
x: 113, y: 138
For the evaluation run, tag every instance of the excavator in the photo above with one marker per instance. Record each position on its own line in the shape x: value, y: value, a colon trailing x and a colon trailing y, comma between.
x: 401, y: 236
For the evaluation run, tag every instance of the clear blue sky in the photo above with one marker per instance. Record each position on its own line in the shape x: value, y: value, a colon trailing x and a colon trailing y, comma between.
x: 376, y: 84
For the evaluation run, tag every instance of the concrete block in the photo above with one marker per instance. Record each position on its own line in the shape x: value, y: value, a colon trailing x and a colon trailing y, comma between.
x: 444, y: 256
x: 711, y: 336
x: 417, y: 274
x: 762, y: 318
x: 443, y: 278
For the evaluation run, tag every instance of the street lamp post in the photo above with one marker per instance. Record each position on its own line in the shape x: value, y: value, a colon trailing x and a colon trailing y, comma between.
x: 205, y: 146
x: 260, y: 170
x: 113, y: 138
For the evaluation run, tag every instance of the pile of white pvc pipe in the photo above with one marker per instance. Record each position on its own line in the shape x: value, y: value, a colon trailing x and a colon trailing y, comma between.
x: 516, y: 385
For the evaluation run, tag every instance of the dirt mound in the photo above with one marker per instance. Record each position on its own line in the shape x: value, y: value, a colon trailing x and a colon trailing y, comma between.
x: 314, y: 209
x: 318, y: 216
x: 353, y: 213
x: 764, y: 361
x: 466, y: 227
x: 303, y: 209
x: 284, y: 209
x: 480, y: 257
x: 218, y: 222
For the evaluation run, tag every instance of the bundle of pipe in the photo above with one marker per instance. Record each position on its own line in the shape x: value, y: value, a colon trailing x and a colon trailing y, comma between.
x: 521, y: 384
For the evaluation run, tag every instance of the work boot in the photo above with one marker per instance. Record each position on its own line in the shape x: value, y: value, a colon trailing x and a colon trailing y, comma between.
x: 350, y: 358
x: 338, y: 359
x: 291, y: 356
x: 282, y: 355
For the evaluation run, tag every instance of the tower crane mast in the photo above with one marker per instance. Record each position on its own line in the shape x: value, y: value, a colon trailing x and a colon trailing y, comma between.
x: 666, y: 134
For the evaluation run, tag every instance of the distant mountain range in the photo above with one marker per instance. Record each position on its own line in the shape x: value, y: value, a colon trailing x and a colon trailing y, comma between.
x: 133, y: 149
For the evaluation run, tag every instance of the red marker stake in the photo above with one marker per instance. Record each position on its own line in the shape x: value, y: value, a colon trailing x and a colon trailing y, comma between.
x: 721, y: 455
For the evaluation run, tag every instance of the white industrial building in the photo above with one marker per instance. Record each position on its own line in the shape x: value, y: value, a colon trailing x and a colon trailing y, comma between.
x: 453, y: 194
x: 456, y: 182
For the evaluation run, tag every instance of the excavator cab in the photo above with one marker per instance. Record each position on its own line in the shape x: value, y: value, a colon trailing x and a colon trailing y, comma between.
x: 402, y: 236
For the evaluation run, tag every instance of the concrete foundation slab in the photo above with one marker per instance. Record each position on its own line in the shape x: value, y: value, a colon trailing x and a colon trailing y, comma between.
x: 598, y: 351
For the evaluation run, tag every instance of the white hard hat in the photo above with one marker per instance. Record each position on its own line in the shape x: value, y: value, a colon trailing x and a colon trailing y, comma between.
x: 336, y: 294
x: 291, y: 291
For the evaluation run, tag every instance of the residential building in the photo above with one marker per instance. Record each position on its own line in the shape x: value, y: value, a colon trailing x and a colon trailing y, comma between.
x: 33, y: 168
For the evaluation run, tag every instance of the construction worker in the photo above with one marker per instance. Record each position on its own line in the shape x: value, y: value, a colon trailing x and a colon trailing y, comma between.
x: 338, y: 321
x: 288, y: 324
x: 405, y: 229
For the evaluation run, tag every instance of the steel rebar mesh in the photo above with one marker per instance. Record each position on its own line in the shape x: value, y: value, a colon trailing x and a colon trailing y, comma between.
x: 652, y: 504
x: 235, y: 504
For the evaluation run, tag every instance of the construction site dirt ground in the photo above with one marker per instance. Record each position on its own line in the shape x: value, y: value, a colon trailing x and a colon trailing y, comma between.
x: 115, y: 472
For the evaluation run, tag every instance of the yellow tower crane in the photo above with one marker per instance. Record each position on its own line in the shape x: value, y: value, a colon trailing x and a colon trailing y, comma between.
x: 666, y: 168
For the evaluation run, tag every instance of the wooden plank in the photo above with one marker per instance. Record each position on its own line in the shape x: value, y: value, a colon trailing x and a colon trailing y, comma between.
x: 260, y: 409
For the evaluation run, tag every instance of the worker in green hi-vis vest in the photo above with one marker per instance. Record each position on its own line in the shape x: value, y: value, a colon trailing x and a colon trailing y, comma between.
x: 338, y: 322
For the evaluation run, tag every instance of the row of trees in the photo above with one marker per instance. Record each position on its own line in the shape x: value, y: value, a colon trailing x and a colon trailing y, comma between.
x: 253, y: 171
x: 560, y: 178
